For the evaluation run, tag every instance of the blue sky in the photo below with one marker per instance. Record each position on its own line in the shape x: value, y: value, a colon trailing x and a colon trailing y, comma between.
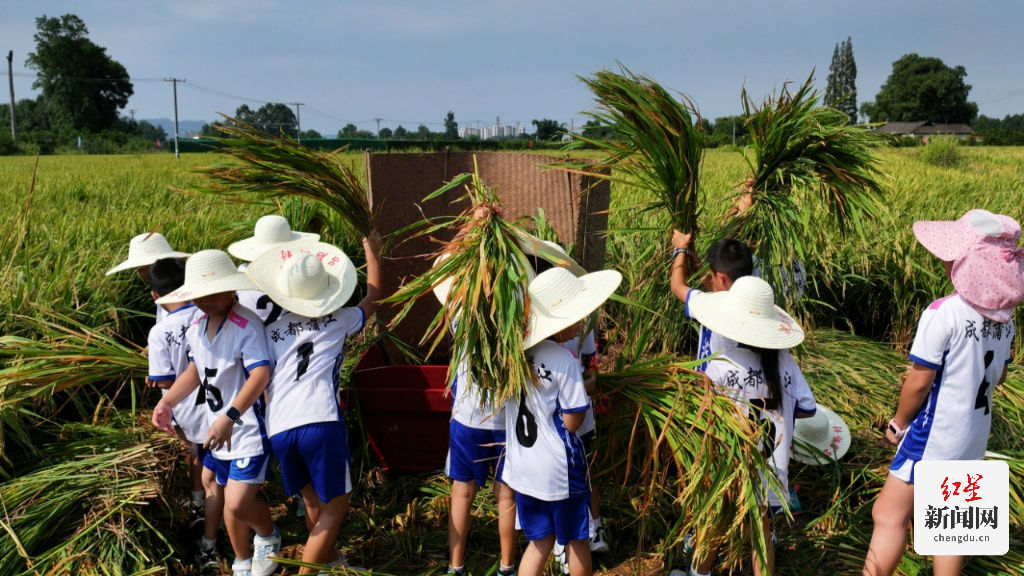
x: 411, y: 61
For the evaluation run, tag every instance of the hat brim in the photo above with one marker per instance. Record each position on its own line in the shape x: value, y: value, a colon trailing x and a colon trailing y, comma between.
x: 803, y: 451
x: 947, y: 240
x: 597, y: 288
x: 250, y: 248
x: 265, y: 272
x: 187, y: 292
x: 714, y: 311
x: 147, y: 260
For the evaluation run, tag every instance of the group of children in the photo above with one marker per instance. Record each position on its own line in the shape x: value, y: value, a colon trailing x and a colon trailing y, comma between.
x: 241, y: 385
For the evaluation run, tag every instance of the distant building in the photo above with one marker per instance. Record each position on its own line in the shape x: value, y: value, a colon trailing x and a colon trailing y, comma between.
x: 923, y: 130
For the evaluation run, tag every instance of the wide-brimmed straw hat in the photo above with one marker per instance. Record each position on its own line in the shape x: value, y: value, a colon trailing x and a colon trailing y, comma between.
x: 559, y: 299
x: 822, y: 438
x: 269, y: 231
x: 550, y: 251
x: 208, y: 272
x: 988, y: 265
x: 306, y: 278
x: 747, y: 314
x: 145, y: 249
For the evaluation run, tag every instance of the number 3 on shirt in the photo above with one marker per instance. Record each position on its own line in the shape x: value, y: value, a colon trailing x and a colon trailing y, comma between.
x: 982, y: 400
x: 526, y: 424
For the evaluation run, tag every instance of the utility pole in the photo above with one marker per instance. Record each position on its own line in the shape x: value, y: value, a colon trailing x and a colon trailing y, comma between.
x: 10, y: 81
x: 175, y: 81
x: 377, y: 120
x: 298, y: 122
x: 132, y: 112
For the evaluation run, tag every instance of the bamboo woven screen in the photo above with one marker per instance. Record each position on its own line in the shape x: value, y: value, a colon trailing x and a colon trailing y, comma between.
x: 575, y: 205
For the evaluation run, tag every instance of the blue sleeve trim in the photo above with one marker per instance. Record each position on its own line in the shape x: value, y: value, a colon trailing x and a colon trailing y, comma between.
x: 257, y: 365
x: 810, y: 412
x: 925, y: 363
x: 688, y: 294
x: 161, y: 377
x: 574, y: 410
x: 362, y: 318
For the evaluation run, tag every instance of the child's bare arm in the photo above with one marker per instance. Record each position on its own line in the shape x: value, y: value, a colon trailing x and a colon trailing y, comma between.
x: 182, y: 387
x: 916, y: 387
x: 371, y: 244
x: 573, y: 420
x: 680, y: 264
x: 255, y: 384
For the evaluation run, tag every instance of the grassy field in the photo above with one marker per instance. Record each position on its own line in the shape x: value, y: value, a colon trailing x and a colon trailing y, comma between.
x: 63, y: 316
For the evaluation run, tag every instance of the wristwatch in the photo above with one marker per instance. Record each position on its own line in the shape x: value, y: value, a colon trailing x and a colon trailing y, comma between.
x: 678, y: 251
x: 234, y: 415
x: 898, y: 432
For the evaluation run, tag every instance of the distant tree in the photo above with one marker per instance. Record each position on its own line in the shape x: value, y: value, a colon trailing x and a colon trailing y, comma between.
x: 385, y: 133
x: 311, y: 135
x: 211, y: 129
x: 351, y: 131
x: 272, y: 118
x: 423, y: 133
x: 148, y: 131
x: 841, y: 91
x: 451, y: 128
x: 82, y: 87
x: 401, y: 133
x: 728, y: 130
x: 548, y: 129
x: 597, y: 131
x: 923, y: 88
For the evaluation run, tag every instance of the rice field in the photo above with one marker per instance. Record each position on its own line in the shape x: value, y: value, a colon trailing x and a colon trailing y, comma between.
x: 72, y: 397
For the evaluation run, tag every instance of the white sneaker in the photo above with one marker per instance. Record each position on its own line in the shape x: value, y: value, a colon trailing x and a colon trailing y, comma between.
x: 599, y: 543
x: 561, y: 559
x: 243, y: 568
x: 263, y: 552
x: 342, y: 562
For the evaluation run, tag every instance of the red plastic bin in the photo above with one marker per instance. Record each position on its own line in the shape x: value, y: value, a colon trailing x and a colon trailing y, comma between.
x: 404, y: 410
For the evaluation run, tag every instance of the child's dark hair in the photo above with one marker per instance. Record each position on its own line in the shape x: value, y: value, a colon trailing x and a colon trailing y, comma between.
x: 730, y: 257
x: 539, y: 264
x: 167, y: 275
x: 770, y: 367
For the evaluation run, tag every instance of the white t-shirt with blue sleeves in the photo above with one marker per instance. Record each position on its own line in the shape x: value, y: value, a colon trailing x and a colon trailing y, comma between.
x: 543, y: 458
x: 308, y: 353
x: 968, y: 353
x: 238, y: 347
x: 740, y: 375
x: 586, y: 347
x: 167, y: 352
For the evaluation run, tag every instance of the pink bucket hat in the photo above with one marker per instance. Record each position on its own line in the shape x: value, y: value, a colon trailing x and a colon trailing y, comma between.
x: 988, y: 265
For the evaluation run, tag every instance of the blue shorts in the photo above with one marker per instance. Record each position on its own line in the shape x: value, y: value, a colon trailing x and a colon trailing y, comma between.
x: 567, y: 519
x: 474, y: 453
x: 251, y: 470
x: 314, y: 454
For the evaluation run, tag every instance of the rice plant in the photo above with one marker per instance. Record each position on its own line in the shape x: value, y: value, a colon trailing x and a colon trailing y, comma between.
x: 488, y: 270
x: 658, y: 144
x: 810, y: 171
x: 267, y: 166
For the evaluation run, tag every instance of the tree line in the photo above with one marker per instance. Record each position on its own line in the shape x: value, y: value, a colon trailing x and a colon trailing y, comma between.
x: 83, y: 92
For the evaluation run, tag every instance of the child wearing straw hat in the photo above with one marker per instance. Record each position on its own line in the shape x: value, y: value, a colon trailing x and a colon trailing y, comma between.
x: 143, y: 251
x: 168, y: 359
x: 476, y: 445
x: 311, y: 282
x: 584, y: 347
x: 759, y: 374
x: 960, y: 354
x: 545, y: 462
x: 728, y: 260
x: 230, y: 364
x: 270, y: 231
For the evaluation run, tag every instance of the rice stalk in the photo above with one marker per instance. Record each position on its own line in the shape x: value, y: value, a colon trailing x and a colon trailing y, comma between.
x: 810, y: 173
x: 658, y: 144
x: 271, y: 166
x: 487, y: 305
x: 670, y: 431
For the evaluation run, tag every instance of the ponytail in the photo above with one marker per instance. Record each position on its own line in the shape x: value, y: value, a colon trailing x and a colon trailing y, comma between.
x: 770, y: 366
